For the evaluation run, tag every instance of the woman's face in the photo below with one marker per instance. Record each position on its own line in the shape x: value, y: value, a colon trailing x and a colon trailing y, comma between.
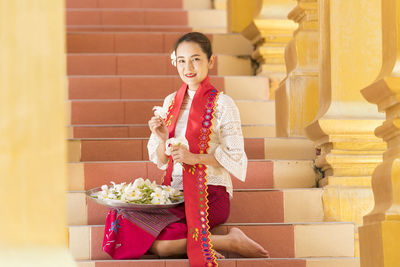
x: 192, y: 64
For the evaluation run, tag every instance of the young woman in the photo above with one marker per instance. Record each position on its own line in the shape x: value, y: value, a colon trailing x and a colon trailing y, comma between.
x: 210, y: 122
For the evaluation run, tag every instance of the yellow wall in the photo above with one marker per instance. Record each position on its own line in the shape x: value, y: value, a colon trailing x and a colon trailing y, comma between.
x: 32, y: 133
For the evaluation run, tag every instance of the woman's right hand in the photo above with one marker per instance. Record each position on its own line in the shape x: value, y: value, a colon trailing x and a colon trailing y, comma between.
x: 158, y: 127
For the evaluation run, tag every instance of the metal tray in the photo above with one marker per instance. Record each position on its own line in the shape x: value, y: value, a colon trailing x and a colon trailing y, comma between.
x: 129, y: 206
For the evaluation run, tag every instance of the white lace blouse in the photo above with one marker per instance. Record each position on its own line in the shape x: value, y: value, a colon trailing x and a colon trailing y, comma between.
x: 226, y: 143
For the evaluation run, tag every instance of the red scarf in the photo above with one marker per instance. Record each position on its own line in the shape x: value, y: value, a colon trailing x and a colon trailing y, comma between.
x: 198, y: 131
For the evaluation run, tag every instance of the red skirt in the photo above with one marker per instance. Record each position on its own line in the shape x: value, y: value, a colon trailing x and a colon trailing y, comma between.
x: 129, y: 235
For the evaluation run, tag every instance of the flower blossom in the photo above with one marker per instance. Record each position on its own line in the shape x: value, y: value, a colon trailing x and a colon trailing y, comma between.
x: 178, y: 141
x: 160, y: 112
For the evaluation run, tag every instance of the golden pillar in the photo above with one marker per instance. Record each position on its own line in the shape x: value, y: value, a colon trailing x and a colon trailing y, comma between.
x: 265, y: 24
x: 297, y: 96
x: 33, y: 230
x: 380, y: 234
x: 349, y: 59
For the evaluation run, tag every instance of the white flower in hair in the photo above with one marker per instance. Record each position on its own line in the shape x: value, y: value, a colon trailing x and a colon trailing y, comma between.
x: 179, y: 141
x: 160, y: 112
x: 173, y: 58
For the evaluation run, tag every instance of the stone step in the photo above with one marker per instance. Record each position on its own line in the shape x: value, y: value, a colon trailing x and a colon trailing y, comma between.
x: 128, y: 28
x: 261, y: 174
x: 302, y: 262
x: 155, y: 17
x: 149, y: 42
x: 247, y: 206
x: 113, y: 17
x: 221, y: 4
x: 140, y: 111
x: 207, y: 18
x: 142, y: 131
x: 258, y: 131
x: 147, y: 64
x: 186, y: 4
x: 124, y: 3
x: 158, y: 87
x: 133, y: 149
x: 281, y: 240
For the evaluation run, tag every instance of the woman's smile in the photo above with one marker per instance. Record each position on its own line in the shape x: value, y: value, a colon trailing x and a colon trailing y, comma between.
x: 190, y: 75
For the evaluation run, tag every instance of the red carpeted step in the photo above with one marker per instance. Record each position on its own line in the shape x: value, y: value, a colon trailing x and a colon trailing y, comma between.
x: 259, y: 173
x: 136, y: 149
x: 127, y: 17
x: 128, y: 42
x: 123, y: 64
x: 112, y: 112
x: 246, y: 207
x: 124, y: 4
x: 128, y: 87
x: 134, y: 131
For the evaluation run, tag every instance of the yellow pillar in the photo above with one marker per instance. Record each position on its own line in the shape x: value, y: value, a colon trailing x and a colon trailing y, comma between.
x: 33, y: 229
x: 350, y: 58
x: 380, y: 234
x: 297, y: 96
x: 240, y: 14
x: 265, y: 24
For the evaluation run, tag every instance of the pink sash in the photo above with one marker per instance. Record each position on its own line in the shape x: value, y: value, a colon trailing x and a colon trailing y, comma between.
x: 200, y: 121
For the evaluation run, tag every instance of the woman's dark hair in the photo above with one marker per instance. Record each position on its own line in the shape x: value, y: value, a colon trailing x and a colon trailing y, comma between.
x: 199, y: 38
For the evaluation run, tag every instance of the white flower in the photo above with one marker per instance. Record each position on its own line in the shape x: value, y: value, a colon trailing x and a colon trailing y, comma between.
x: 156, y: 200
x: 104, y: 187
x: 173, y: 58
x: 138, y: 182
x: 179, y: 141
x: 112, y: 196
x: 160, y: 112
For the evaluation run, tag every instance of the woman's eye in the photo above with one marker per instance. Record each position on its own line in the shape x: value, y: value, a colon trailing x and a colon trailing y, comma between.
x: 181, y: 61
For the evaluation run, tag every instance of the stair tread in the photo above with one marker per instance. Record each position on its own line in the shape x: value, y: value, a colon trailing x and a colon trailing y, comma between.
x: 251, y: 224
x: 230, y: 262
x: 281, y: 240
x: 247, y: 190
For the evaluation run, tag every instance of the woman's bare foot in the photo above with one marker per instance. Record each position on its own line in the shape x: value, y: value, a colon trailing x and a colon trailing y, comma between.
x: 246, y: 247
x: 219, y: 255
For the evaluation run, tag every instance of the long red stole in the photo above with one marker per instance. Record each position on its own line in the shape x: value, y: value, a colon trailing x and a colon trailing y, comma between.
x: 201, y: 115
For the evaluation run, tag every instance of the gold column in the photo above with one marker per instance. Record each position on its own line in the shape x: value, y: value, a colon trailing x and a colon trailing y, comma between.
x: 265, y: 24
x: 241, y: 13
x: 297, y: 96
x: 350, y: 58
x: 380, y: 234
x: 33, y: 230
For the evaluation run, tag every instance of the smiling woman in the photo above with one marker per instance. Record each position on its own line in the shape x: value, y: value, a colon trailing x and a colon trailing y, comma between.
x: 194, y: 59
x: 210, y: 123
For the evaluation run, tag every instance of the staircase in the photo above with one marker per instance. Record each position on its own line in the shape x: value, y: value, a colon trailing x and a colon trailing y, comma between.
x: 118, y: 69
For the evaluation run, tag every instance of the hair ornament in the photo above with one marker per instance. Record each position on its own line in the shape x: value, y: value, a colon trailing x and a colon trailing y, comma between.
x: 173, y: 58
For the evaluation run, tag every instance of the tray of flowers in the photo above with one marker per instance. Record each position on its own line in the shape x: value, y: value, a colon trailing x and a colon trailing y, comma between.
x: 138, y: 195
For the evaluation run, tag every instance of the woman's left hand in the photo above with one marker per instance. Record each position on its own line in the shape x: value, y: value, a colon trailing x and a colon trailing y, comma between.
x: 181, y: 154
